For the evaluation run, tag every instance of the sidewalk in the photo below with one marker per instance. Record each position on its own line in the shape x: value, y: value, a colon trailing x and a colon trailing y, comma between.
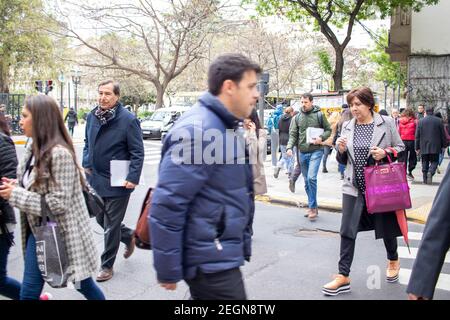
x: 78, y: 136
x: 329, y: 194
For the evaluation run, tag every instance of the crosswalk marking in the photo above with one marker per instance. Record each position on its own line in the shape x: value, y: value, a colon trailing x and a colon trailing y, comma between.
x: 152, y: 152
x: 152, y: 162
x: 415, y: 235
x: 403, y: 253
x: 152, y: 157
x: 151, y: 143
x: 405, y: 273
x: 443, y: 281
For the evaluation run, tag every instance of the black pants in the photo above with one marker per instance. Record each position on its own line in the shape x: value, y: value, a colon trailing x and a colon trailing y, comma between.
x: 115, y: 230
x: 348, y: 251
x: 409, y: 156
x: 430, y: 163
x: 71, y: 129
x: 225, y: 285
x: 327, y: 150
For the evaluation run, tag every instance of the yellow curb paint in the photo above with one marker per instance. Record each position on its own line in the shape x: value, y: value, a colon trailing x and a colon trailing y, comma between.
x: 418, y: 215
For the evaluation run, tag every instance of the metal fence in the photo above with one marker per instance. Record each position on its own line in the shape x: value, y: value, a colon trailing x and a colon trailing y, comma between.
x: 14, y: 104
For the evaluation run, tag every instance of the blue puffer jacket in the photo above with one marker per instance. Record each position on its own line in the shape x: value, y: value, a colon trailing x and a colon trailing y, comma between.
x: 119, y: 139
x: 272, y: 122
x: 201, y: 214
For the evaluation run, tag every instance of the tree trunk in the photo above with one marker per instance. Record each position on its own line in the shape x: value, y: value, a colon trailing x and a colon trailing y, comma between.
x: 338, y: 69
x: 4, y: 77
x: 159, y: 96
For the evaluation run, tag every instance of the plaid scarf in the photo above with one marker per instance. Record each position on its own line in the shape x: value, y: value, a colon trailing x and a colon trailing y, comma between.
x: 105, y: 115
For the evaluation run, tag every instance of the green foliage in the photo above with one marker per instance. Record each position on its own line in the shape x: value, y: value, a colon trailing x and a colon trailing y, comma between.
x: 386, y: 69
x: 325, y: 64
x: 137, y: 99
x: 23, y: 43
x: 82, y: 113
x: 144, y: 114
x: 337, y: 11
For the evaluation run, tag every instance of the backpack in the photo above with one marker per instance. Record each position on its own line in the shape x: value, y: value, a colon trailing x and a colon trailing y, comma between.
x: 319, y: 115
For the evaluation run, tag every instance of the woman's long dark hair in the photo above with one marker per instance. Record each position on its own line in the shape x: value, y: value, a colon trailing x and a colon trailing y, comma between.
x: 48, y: 131
x: 255, y: 119
x: 4, y: 125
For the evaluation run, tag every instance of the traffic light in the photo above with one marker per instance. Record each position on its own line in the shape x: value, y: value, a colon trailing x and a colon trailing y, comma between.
x: 38, y: 85
x: 48, y: 86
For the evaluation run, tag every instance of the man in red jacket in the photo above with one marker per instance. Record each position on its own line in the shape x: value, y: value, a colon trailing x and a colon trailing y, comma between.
x: 407, y: 129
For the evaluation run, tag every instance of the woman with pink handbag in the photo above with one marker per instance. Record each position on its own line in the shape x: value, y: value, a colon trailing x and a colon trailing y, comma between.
x: 366, y: 139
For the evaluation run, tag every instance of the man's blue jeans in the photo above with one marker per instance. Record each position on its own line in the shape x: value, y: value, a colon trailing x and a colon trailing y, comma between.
x: 33, y: 283
x: 9, y: 287
x: 310, y: 163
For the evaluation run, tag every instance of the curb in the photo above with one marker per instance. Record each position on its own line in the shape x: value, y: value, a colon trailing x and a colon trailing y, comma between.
x: 20, y: 142
x: 418, y: 215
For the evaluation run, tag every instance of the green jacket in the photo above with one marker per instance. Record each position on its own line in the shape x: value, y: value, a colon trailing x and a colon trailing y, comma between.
x: 299, y: 124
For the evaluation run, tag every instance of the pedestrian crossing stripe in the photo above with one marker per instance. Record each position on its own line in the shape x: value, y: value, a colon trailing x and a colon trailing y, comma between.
x: 415, y: 235
x: 152, y: 157
x: 151, y: 162
x: 153, y: 152
x: 156, y: 144
x: 442, y: 284
x: 405, y: 274
x: 404, y: 253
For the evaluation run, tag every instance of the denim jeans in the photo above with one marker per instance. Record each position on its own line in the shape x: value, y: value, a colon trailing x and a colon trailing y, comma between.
x: 297, y: 169
x: 310, y: 163
x: 341, y: 168
x: 33, y: 283
x: 9, y: 287
x: 274, y: 140
x: 285, y: 161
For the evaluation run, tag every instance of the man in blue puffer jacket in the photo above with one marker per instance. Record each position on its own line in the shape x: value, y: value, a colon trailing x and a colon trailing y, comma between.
x: 202, y: 208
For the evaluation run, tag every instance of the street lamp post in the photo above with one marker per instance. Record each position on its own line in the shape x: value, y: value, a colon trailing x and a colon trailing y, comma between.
x: 61, y: 80
x: 76, y: 79
x: 386, y: 83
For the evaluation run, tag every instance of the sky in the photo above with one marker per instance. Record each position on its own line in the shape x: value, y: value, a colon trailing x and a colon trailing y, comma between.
x: 360, y: 37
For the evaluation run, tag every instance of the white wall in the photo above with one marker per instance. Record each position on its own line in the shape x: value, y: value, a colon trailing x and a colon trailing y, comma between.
x: 431, y: 29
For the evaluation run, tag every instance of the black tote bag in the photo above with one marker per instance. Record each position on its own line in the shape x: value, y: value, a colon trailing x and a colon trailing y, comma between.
x: 50, y: 249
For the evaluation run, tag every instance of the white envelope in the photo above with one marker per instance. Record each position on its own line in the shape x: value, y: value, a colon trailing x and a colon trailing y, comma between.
x: 119, y: 172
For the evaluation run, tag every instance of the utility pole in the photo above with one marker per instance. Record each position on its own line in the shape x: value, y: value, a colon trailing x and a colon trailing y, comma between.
x: 263, y: 88
x: 61, y: 81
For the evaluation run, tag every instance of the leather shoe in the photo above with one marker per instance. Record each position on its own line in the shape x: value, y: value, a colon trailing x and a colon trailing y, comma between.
x: 105, y: 275
x: 130, y: 248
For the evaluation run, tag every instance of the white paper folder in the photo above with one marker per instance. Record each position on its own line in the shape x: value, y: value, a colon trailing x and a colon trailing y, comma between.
x: 313, y: 133
x: 119, y: 172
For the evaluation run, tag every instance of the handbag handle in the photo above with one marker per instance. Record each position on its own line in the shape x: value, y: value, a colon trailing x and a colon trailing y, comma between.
x: 45, y: 211
x: 387, y: 156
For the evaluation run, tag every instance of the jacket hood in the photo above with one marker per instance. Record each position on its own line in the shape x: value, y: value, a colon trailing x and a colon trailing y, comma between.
x: 278, y: 111
x: 286, y: 117
x: 314, y: 110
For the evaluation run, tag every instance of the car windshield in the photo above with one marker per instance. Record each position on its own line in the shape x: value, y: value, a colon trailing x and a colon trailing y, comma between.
x: 160, y: 116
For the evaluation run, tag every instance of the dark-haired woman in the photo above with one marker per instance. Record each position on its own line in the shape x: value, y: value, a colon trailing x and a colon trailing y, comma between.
x: 50, y: 169
x: 256, y: 140
x: 365, y: 138
x: 9, y: 287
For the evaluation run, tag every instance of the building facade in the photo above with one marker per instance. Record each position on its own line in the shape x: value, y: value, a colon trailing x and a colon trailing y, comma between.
x: 421, y: 40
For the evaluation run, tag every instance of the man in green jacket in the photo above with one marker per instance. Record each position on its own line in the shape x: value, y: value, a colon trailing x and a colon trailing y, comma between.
x: 310, y: 152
